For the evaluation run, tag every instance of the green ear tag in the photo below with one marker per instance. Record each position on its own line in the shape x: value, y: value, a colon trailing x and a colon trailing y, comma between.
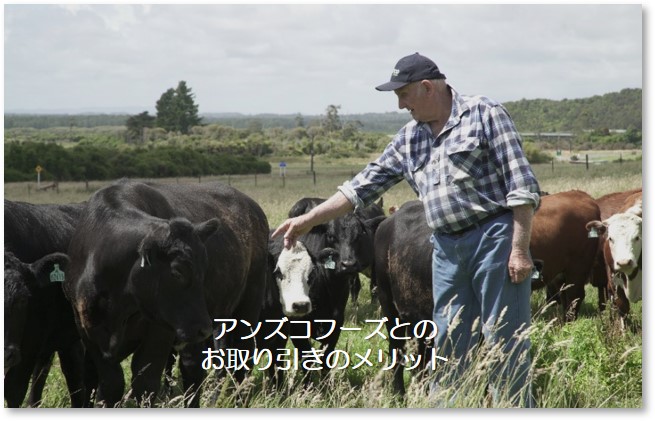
x: 330, y: 263
x: 592, y: 233
x: 57, y: 275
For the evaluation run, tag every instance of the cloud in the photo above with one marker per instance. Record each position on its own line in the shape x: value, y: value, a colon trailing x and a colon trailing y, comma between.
x: 301, y: 58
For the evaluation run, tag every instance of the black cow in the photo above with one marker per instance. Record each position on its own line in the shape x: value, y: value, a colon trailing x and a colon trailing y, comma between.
x: 351, y: 236
x: 151, y: 266
x: 403, y: 256
x: 38, y: 318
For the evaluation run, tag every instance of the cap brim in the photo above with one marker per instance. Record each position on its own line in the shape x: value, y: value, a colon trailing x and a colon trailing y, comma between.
x: 391, y: 86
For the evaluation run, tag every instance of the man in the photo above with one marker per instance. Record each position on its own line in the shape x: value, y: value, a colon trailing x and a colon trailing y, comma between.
x: 462, y: 156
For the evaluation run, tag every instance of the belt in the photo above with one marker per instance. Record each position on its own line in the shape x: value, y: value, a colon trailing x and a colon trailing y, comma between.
x: 477, y: 224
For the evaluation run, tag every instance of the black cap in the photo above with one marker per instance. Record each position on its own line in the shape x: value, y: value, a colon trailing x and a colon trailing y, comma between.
x: 410, y: 69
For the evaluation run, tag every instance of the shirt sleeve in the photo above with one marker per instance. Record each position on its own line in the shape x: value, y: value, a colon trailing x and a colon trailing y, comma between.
x: 506, y: 150
x: 378, y: 176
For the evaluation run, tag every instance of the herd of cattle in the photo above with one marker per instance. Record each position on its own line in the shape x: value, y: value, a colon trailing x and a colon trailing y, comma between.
x: 144, y: 269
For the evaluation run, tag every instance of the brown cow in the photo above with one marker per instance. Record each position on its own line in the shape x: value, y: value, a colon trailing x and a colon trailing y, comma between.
x: 621, y: 252
x: 560, y: 239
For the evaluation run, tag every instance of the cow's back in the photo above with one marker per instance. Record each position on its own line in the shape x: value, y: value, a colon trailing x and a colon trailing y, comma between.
x: 32, y: 231
x: 612, y: 203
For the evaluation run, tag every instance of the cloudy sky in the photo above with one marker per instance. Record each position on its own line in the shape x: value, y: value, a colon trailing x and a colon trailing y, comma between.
x: 289, y: 59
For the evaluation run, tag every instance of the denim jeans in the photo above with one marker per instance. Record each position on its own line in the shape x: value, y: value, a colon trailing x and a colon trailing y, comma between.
x: 473, y: 294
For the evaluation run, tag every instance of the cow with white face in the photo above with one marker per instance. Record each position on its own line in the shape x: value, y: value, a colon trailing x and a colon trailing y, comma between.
x: 622, y: 252
x: 294, y: 267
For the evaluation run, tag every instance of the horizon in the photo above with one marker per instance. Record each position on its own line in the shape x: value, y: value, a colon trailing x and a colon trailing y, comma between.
x: 152, y: 110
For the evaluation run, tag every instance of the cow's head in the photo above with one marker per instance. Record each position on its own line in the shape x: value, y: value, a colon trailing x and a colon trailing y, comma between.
x: 24, y: 282
x: 167, y: 281
x: 623, y: 235
x: 352, y: 236
x: 295, y: 272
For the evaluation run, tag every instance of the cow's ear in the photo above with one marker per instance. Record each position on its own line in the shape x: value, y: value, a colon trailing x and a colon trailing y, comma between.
x: 327, y: 258
x: 597, y: 226
x: 205, y: 229
x: 373, y: 223
x: 152, y: 244
x: 50, y: 269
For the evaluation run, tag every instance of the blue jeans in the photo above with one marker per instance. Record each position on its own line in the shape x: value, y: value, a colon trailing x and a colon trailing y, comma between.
x: 471, y: 288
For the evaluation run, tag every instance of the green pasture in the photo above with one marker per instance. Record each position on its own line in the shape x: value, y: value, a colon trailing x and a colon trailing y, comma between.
x: 589, y: 363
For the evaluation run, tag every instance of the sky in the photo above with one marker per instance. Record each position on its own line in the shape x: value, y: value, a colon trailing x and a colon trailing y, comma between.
x: 295, y: 58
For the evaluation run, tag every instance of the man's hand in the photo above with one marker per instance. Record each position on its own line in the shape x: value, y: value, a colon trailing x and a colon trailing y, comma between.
x: 292, y: 228
x: 520, y: 266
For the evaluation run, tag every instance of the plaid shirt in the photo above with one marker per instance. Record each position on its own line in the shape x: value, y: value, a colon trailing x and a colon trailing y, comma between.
x: 473, y: 169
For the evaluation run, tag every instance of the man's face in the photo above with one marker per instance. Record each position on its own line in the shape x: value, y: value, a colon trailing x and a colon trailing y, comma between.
x: 413, y: 98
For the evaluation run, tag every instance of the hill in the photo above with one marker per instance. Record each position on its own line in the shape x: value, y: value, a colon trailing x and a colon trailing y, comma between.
x: 617, y: 110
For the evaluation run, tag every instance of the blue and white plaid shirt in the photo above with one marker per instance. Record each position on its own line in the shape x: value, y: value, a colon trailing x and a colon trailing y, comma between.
x: 473, y: 169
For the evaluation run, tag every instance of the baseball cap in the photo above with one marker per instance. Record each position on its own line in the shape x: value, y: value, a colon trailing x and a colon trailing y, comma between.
x: 410, y: 69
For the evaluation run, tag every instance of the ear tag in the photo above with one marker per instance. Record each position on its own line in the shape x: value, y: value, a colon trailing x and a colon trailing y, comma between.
x: 592, y: 233
x: 535, y: 274
x: 57, y: 275
x: 330, y: 264
x: 143, y: 261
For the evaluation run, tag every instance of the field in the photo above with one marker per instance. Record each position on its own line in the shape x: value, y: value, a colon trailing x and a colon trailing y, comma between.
x: 589, y: 363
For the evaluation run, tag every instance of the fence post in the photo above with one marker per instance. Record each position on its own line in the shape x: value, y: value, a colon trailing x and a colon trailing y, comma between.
x: 314, y: 176
x: 552, y: 165
x: 586, y: 157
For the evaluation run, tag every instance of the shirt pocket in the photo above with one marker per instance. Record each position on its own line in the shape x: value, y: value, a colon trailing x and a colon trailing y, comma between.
x: 425, y: 173
x: 465, y: 160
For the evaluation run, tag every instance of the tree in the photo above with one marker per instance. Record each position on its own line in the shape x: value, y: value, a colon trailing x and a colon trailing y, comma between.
x: 332, y: 122
x: 136, y: 126
x: 176, y: 109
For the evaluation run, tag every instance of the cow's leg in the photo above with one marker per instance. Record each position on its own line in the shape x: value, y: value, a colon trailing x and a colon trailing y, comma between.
x: 72, y: 366
x: 110, y: 380
x: 192, y: 372
x: 17, y: 380
x: 573, y: 297
x: 355, y: 286
x: 39, y: 377
x: 148, y: 362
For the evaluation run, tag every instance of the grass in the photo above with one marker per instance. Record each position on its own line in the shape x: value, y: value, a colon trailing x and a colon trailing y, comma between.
x: 588, y: 363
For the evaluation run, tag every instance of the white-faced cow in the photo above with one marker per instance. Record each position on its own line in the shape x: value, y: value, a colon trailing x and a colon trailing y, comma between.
x: 151, y: 266
x: 609, y: 204
x: 293, y: 272
x: 351, y: 236
x: 38, y: 318
x: 622, y: 251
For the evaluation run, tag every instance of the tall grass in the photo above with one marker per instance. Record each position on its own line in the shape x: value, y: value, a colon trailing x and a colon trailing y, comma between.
x: 589, y: 363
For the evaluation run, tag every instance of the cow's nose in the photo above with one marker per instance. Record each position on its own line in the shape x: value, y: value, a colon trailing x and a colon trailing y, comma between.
x: 626, y: 263
x: 301, y: 307
x: 348, y: 265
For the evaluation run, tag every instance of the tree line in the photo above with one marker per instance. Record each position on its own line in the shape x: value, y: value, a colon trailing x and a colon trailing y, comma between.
x: 88, y: 162
x: 617, y: 110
